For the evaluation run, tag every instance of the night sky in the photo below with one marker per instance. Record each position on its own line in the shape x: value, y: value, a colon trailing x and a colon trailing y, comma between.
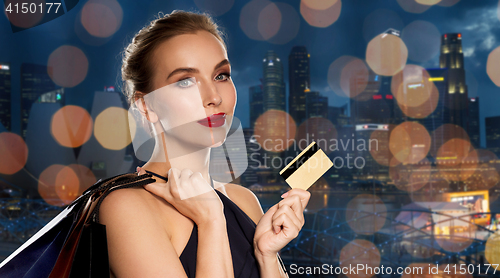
x: 476, y: 20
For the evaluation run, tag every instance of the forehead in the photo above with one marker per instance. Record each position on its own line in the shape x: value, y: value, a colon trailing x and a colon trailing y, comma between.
x: 200, y: 50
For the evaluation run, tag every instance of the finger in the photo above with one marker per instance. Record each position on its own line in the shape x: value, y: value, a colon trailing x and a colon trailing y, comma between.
x: 186, y: 174
x: 267, y: 219
x: 199, y: 186
x: 295, y: 203
x: 290, y: 213
x: 173, y: 175
x: 303, y: 194
x: 174, y: 181
x: 290, y: 230
x: 160, y: 189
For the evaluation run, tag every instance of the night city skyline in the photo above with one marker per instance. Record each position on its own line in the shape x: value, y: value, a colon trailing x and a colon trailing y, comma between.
x: 478, y: 37
x: 401, y: 96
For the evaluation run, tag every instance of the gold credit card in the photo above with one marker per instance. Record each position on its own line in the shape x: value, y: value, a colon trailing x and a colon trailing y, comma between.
x: 307, y: 167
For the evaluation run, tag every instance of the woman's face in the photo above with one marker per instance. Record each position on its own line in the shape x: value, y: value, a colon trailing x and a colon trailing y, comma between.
x: 194, y: 97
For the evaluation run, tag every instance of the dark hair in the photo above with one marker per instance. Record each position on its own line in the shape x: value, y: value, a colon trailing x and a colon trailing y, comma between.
x: 137, y: 62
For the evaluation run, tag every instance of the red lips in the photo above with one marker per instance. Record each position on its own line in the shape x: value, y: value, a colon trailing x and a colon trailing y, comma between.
x: 214, y: 120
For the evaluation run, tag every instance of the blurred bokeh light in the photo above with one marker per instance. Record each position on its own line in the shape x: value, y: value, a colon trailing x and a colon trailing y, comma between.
x: 417, y: 96
x: 492, y: 250
x: 47, y: 185
x: 271, y: 132
x: 410, y: 142
x: 386, y: 54
x: 335, y: 71
x: 67, y: 185
x: 354, y: 78
x: 13, y: 153
x: 111, y: 128
x: 24, y: 20
x: 67, y: 66
x: 71, y: 126
x: 317, y: 129
x: 366, y: 214
x: 493, y: 66
x: 359, y: 251
x: 289, y: 27
x: 320, y: 17
x: 412, y: 6
x: 102, y: 18
x: 249, y: 13
x: 269, y: 21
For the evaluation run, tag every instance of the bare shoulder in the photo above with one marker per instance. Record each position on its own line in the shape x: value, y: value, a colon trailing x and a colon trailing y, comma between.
x: 138, y: 244
x: 246, y: 200
x: 125, y: 201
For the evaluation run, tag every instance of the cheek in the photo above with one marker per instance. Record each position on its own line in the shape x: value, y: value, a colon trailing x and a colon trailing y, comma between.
x: 230, y: 97
x: 181, y: 110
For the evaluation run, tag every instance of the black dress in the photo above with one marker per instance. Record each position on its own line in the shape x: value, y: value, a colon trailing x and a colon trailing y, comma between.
x: 240, y: 232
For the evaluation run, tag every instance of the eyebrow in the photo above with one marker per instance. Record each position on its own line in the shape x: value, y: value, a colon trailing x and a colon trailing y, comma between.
x: 193, y: 70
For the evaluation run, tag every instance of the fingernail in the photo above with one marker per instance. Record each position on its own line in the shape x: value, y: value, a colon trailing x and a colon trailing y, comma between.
x: 138, y: 169
x: 284, y: 195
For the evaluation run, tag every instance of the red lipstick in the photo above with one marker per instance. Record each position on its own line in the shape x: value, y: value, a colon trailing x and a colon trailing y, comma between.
x: 215, y: 120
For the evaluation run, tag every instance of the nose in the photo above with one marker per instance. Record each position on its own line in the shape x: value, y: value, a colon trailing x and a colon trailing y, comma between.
x: 211, y: 96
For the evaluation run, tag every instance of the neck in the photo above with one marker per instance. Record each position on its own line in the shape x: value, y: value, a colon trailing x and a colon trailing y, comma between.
x: 169, y: 152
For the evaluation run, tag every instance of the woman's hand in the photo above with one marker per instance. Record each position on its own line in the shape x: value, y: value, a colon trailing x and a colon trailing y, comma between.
x: 281, y: 223
x: 190, y: 194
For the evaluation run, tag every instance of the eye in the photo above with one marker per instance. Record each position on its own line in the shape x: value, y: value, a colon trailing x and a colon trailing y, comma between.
x: 223, y: 76
x: 185, y: 83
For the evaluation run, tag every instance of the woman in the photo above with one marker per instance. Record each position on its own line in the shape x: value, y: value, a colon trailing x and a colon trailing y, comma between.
x: 185, y: 224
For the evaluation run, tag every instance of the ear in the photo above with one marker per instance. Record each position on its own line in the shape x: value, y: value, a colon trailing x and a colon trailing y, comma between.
x: 145, y: 110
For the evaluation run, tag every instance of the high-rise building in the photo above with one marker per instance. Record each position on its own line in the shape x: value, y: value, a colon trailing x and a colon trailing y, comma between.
x: 256, y: 104
x: 56, y: 96
x: 492, y: 126
x: 316, y: 105
x: 440, y: 114
x: 374, y: 104
x: 299, y: 80
x: 5, y: 96
x: 273, y: 83
x: 338, y: 116
x: 35, y: 81
x: 254, y: 152
x: 473, y: 122
x: 452, y: 58
x: 273, y: 98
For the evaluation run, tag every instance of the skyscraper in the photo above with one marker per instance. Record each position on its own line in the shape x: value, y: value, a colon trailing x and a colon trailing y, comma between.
x: 440, y: 115
x: 299, y: 79
x: 338, y: 116
x: 273, y: 83
x: 5, y: 96
x: 253, y: 155
x: 374, y: 104
x: 452, y: 58
x: 273, y: 98
x: 35, y: 81
x: 256, y: 104
x: 316, y: 105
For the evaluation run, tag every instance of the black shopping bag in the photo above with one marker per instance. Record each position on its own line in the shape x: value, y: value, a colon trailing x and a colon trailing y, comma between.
x: 73, y: 244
